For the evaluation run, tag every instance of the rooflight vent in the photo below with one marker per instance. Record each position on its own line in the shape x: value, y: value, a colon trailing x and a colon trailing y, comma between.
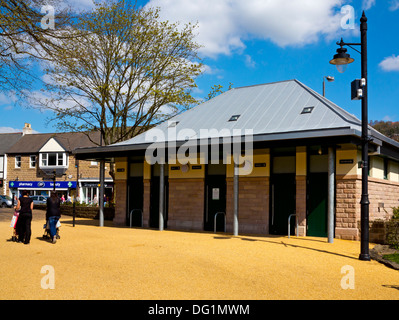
x: 172, y: 124
x: 234, y: 118
x: 307, y: 110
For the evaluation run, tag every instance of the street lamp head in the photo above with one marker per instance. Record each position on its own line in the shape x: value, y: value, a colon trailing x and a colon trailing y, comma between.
x: 330, y: 78
x: 341, y: 59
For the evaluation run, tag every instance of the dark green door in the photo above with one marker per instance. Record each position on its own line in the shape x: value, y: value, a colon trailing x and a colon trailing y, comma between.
x: 282, y: 197
x: 317, y: 204
x: 215, y: 201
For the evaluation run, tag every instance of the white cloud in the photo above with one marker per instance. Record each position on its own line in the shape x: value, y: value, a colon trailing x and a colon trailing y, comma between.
x: 249, y: 62
x: 387, y: 118
x: 9, y: 130
x: 80, y: 4
x: 394, y: 5
x: 390, y: 63
x: 367, y: 4
x: 224, y: 25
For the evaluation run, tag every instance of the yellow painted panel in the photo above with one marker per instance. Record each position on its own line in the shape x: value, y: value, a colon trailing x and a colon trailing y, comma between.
x: 376, y: 167
x: 195, y: 168
x: 121, y: 168
x: 179, y: 171
x: 347, y: 168
x: 259, y: 163
x: 301, y: 161
x: 393, y: 171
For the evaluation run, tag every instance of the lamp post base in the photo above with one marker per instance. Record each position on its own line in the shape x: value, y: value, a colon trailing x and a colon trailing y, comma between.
x: 364, y: 257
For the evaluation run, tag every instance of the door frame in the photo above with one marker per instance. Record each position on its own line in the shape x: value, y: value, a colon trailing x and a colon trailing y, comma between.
x: 209, y: 226
x: 324, y: 151
x: 281, y: 152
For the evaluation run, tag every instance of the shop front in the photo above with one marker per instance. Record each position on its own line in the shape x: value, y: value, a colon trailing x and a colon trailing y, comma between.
x: 89, y: 191
x: 41, y: 188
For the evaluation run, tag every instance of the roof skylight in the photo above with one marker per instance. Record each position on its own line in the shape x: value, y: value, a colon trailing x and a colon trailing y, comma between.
x: 307, y: 110
x: 234, y: 118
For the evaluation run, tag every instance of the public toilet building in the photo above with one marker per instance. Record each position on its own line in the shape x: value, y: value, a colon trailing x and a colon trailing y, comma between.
x: 300, y: 155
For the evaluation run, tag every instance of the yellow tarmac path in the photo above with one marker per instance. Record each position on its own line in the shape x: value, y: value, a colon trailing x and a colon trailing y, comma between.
x: 90, y: 262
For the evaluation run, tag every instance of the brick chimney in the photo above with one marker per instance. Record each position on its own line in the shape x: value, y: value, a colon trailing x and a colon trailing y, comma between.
x: 27, y: 129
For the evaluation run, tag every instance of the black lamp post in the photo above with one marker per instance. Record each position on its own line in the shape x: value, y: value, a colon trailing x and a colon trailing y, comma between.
x: 329, y: 79
x: 341, y: 60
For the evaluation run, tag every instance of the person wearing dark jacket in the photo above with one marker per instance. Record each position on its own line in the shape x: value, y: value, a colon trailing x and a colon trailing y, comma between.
x: 53, y: 214
x: 25, y: 207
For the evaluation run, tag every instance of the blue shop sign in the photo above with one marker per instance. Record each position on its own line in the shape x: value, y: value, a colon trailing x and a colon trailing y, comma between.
x: 43, y: 184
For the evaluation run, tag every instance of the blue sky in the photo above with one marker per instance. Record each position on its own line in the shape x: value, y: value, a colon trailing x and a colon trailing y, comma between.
x: 253, y: 42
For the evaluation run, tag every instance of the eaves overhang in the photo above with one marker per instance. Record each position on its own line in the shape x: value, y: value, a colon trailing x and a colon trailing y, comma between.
x: 330, y: 136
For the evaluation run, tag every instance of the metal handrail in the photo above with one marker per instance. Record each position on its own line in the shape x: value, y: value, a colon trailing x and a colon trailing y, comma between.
x: 289, y: 224
x: 224, y: 214
x: 131, y: 214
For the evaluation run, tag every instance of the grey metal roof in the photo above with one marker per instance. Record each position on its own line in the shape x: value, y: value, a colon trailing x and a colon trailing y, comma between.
x: 273, y: 111
x: 266, y: 109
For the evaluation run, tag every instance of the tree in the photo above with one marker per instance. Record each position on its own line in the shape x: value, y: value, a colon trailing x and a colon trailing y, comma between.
x: 387, y: 128
x: 216, y: 90
x: 25, y: 36
x: 123, y: 71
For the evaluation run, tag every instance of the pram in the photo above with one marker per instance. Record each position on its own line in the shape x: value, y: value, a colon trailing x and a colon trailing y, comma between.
x: 13, y: 225
x: 46, y: 227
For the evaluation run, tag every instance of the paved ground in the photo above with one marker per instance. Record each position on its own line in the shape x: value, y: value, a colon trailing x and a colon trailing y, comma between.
x: 90, y: 262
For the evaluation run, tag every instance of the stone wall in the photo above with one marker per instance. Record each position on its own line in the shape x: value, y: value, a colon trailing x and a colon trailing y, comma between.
x: 186, y: 204
x: 347, y: 212
x: 253, y: 205
x: 383, y: 196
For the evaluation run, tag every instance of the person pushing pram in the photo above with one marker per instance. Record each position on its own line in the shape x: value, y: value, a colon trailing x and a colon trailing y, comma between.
x: 53, y: 214
x: 47, y: 233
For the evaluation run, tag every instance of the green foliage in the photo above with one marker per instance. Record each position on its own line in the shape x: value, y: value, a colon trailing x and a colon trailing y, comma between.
x: 216, y: 90
x: 395, y: 211
x: 392, y: 229
x: 392, y: 257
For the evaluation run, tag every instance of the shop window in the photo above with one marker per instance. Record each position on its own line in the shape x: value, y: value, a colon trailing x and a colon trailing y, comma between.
x: 32, y: 162
x: 53, y: 159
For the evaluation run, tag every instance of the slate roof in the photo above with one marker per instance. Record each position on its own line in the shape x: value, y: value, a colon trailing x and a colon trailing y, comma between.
x: 7, y: 140
x: 32, y: 143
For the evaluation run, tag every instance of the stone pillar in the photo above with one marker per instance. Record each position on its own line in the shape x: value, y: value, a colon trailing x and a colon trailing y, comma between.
x: 146, y: 202
x: 301, y: 170
x: 120, y: 192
